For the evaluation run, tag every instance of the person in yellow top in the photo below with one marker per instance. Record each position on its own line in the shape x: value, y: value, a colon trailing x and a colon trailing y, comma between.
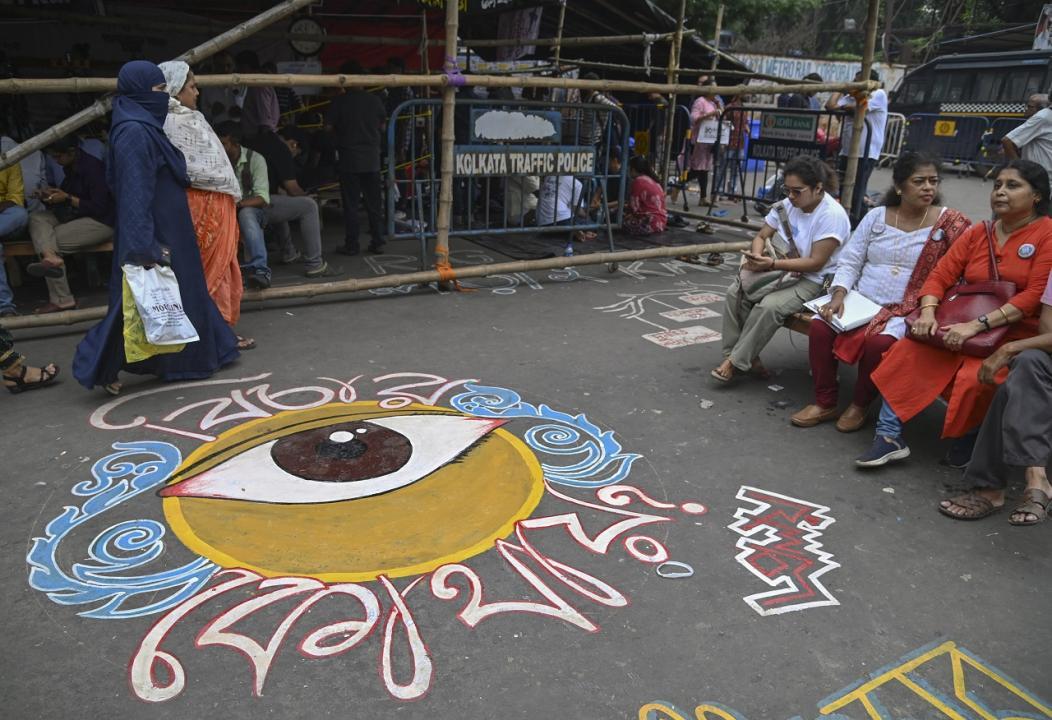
x: 13, y: 217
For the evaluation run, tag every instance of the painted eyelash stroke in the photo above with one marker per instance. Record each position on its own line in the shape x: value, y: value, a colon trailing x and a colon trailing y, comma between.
x: 436, y: 441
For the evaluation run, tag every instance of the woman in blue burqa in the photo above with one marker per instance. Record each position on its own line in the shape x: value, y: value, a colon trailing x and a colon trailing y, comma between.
x: 148, y: 178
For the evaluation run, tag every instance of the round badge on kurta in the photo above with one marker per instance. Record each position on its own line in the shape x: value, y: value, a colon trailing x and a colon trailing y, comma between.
x: 1026, y: 250
x: 348, y: 492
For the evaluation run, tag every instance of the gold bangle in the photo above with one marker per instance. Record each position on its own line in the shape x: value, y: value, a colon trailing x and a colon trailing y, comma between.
x: 934, y: 305
x: 1004, y: 315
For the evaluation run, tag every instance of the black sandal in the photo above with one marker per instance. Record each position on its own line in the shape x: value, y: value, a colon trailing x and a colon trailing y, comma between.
x: 19, y: 384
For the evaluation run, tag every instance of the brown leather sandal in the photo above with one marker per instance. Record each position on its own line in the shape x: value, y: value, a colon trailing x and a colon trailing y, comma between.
x: 973, y: 507
x: 1035, y: 502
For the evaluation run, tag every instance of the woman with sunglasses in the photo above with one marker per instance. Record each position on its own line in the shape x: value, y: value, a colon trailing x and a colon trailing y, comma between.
x: 812, y: 221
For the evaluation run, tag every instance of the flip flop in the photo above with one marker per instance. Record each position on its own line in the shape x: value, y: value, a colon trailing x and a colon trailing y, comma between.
x: 46, y: 268
x: 53, y: 308
x: 715, y: 372
x: 1036, y: 503
x: 975, y: 507
x: 244, y: 343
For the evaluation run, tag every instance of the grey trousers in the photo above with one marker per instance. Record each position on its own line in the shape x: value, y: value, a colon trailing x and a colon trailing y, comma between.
x: 748, y: 327
x: 1017, y: 430
x: 48, y: 234
x: 304, y: 210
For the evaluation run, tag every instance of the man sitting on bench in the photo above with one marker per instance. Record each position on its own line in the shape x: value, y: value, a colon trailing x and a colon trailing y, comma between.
x: 80, y: 215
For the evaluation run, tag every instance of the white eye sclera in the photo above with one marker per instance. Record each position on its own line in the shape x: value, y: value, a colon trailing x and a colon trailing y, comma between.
x: 331, y: 464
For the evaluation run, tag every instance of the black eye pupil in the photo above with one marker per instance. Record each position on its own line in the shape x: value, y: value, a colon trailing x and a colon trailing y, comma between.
x: 346, y: 450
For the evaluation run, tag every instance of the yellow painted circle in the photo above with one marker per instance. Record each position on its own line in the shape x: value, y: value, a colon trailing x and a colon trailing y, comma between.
x: 451, y: 514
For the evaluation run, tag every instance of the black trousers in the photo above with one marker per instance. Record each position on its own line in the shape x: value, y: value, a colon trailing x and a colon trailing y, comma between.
x: 364, y: 185
x: 1017, y: 431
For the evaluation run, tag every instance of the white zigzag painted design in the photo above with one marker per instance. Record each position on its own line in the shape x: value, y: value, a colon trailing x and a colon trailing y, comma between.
x: 763, y: 534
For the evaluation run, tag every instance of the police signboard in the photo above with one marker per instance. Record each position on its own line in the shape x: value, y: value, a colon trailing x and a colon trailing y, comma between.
x: 482, y: 160
x: 781, y: 151
x: 788, y: 126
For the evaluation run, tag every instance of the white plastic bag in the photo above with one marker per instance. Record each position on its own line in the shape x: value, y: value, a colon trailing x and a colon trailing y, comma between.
x: 156, y: 293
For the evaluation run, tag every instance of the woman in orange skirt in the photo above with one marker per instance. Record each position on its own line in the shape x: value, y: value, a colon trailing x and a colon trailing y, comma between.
x: 912, y: 374
x: 213, y: 193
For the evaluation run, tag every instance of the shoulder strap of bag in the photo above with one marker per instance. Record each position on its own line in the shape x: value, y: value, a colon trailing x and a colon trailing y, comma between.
x: 246, y: 172
x: 994, y: 275
x: 783, y: 218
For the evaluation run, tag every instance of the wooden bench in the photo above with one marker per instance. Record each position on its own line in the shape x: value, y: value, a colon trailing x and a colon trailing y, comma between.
x: 20, y: 247
x: 800, y: 322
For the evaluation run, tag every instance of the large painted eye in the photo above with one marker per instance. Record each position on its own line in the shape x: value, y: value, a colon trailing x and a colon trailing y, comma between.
x: 342, y: 461
x: 347, y: 492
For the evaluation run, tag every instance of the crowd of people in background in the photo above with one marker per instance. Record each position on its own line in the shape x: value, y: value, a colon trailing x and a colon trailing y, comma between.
x: 187, y: 176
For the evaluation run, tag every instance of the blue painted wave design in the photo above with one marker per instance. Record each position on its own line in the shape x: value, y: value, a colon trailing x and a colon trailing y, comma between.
x: 599, y: 459
x: 109, y: 578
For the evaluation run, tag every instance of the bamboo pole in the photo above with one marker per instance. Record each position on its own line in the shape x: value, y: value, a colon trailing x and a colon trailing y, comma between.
x: 664, y: 153
x: 141, y: 23
x: 449, y: 93
x: 716, y: 38
x: 588, y: 40
x: 311, y: 290
x: 101, y: 106
x: 559, y: 32
x: 639, y: 69
x: 24, y: 86
x: 851, y: 173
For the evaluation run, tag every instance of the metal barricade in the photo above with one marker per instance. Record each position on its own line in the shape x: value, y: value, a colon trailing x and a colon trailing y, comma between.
x: 752, y: 145
x: 496, y: 176
x: 956, y: 139
x: 894, y: 136
x: 648, y: 123
x: 991, y: 151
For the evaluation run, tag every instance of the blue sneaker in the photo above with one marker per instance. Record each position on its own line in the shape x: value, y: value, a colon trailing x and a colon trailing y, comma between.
x: 883, y: 451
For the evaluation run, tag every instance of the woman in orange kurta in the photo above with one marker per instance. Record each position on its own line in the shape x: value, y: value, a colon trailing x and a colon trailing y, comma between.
x: 213, y: 193
x: 912, y: 375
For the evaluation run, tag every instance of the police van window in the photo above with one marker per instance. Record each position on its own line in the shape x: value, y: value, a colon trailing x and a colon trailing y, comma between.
x: 915, y: 91
x: 987, y: 85
x: 950, y: 86
x: 1020, y: 84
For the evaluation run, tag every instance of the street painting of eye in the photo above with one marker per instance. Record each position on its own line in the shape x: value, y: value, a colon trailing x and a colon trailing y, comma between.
x: 341, y: 461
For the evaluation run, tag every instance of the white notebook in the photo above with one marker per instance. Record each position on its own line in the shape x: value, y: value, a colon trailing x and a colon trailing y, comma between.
x: 858, y: 310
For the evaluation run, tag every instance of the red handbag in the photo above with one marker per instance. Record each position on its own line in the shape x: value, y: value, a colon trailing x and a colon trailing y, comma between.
x: 966, y: 302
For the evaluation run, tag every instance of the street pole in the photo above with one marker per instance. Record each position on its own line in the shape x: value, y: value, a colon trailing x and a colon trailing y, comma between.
x: 665, y: 152
x: 445, y: 193
x: 848, y: 189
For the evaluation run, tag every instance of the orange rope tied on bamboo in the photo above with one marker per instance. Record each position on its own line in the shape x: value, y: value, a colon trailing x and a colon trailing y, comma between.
x: 446, y: 273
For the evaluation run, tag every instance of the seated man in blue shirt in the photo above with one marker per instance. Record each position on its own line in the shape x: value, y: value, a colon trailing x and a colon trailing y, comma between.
x: 80, y: 215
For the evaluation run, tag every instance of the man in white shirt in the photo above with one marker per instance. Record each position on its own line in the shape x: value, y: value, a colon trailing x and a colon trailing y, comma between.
x: 869, y: 152
x: 1033, y: 139
x: 560, y: 198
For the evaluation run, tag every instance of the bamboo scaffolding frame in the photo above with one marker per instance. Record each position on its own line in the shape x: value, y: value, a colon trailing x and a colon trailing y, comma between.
x: 716, y: 38
x: 851, y: 172
x: 101, y: 106
x: 311, y: 290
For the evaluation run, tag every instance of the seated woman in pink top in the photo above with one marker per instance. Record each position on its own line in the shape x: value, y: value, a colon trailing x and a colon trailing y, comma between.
x: 646, y: 213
